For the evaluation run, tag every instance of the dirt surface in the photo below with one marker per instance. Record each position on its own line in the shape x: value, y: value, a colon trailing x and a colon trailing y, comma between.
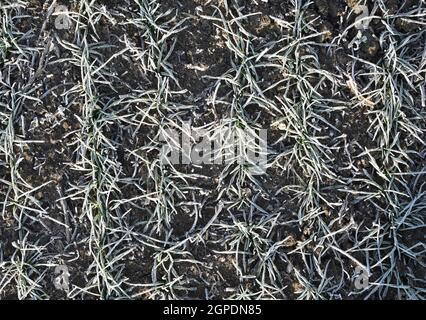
x: 53, y: 123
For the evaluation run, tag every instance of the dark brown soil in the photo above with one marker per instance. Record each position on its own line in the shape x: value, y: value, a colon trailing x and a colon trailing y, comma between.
x: 51, y: 122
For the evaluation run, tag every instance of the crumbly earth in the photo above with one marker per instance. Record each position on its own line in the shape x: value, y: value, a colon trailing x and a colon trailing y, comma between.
x: 83, y: 111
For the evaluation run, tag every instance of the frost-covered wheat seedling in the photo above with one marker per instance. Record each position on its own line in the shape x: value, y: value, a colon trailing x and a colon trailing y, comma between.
x: 221, y: 149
